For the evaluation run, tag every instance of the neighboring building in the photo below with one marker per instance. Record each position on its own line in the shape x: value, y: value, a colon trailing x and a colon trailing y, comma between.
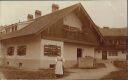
x: 14, y: 27
x: 17, y: 26
x: 115, y: 44
x: 69, y: 32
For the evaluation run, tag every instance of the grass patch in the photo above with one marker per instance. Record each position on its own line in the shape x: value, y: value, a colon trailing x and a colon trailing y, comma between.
x: 21, y: 74
x: 121, y: 74
x: 12, y: 73
x: 117, y: 75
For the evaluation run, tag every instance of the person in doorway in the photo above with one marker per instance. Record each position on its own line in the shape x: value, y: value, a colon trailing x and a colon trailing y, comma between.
x: 59, y: 66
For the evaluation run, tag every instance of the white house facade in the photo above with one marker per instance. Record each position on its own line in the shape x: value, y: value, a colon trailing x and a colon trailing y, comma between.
x: 69, y: 33
x: 38, y: 44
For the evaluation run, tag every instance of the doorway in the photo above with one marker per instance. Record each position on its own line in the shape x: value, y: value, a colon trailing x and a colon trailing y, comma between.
x: 20, y: 65
x: 104, y: 55
x: 127, y: 57
x: 79, y: 53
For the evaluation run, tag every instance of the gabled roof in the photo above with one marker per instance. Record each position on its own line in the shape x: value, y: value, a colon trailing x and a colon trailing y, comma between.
x: 113, y: 31
x: 39, y: 24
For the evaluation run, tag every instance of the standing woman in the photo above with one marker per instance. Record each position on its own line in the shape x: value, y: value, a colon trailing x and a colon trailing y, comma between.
x: 59, y: 66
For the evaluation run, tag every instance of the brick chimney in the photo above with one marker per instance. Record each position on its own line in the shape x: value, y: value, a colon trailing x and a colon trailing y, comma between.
x: 37, y: 13
x: 29, y: 17
x: 55, y: 7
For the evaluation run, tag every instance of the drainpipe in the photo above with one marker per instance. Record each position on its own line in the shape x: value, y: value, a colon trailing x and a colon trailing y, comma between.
x: 94, y: 60
x: 2, y: 54
x: 127, y: 49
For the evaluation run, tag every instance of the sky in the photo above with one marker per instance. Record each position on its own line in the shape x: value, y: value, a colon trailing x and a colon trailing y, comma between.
x: 111, y: 13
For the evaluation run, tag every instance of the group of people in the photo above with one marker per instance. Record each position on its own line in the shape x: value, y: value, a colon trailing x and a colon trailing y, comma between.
x: 59, y: 69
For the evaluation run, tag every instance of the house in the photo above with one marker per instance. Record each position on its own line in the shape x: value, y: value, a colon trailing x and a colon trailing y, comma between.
x: 14, y: 27
x: 69, y: 32
x: 17, y: 26
x: 115, y: 47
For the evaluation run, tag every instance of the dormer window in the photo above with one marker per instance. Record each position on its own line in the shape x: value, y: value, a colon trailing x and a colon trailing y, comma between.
x: 14, y: 28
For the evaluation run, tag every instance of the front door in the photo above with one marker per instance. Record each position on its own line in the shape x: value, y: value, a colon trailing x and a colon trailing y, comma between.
x: 104, y: 55
x: 127, y: 57
x: 79, y: 53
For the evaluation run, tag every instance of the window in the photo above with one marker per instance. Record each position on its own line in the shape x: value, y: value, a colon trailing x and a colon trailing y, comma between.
x: 10, y: 51
x: 113, y: 53
x: 69, y: 28
x: 52, y: 50
x: 8, y: 63
x: 21, y: 51
x: 12, y: 29
x: 123, y: 52
x: 114, y: 42
x: 117, y: 43
x: 15, y: 28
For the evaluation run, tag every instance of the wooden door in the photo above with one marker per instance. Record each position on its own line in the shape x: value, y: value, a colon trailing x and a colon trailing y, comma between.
x: 79, y: 53
x: 127, y: 57
x: 104, y: 55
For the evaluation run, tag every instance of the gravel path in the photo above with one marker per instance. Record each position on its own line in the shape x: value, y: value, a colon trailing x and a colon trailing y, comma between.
x: 91, y: 73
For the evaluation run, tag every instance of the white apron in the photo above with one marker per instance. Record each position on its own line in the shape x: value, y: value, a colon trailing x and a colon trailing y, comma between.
x: 59, y: 66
